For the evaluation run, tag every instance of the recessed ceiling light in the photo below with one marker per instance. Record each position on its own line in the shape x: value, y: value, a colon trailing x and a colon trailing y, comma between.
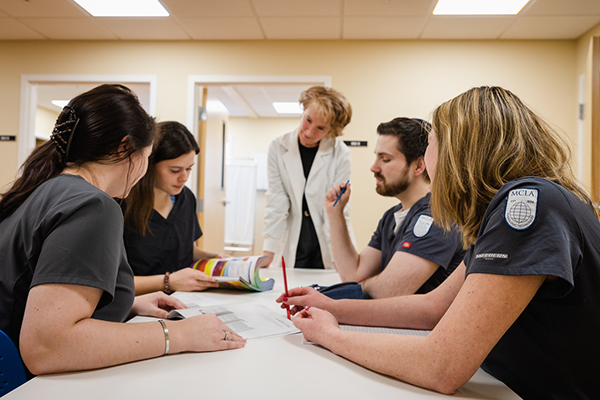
x: 479, y: 7
x: 287, y: 107
x: 124, y: 8
x: 215, y: 106
x: 60, y: 103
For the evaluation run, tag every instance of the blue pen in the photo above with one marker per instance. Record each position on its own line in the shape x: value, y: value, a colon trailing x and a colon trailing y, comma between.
x: 341, y: 192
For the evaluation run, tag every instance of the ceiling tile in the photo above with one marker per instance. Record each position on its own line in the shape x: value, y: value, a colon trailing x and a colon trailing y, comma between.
x: 144, y: 28
x: 285, y: 92
x: 383, y: 27
x: 41, y: 8
x: 222, y: 28
x: 295, y: 8
x: 301, y: 28
x: 562, y: 7
x: 388, y: 8
x: 550, y: 27
x: 11, y: 29
x: 455, y: 27
x: 208, y: 8
x: 69, y: 28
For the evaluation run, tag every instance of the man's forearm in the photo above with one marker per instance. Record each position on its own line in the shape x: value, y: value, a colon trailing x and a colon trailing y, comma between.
x: 345, y: 257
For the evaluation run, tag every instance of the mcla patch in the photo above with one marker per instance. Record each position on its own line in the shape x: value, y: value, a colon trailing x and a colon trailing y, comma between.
x: 521, y: 208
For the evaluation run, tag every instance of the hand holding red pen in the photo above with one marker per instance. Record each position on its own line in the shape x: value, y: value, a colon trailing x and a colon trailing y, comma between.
x: 301, y: 297
x: 285, y: 287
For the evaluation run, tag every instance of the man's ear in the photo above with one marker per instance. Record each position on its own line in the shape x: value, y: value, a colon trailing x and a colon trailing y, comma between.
x: 420, y: 166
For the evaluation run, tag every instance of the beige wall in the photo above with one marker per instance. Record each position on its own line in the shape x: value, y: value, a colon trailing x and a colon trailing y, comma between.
x: 382, y: 80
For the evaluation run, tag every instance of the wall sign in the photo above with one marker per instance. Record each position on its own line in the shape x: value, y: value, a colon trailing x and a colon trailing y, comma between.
x: 356, y: 143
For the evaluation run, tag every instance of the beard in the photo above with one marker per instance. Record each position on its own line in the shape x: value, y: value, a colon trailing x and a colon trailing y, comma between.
x: 394, y: 188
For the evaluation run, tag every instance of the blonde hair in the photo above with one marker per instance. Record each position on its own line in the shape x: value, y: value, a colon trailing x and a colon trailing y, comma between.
x: 486, y: 138
x: 331, y: 104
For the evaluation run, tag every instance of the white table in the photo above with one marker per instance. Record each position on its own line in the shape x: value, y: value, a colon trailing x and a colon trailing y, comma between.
x: 281, y: 367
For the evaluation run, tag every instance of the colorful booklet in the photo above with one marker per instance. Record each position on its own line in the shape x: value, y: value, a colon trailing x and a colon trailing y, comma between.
x: 236, y: 272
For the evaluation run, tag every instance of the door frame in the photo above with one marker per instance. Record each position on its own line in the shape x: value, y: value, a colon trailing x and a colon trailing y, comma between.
x: 28, y: 104
x: 195, y: 85
x: 194, y: 102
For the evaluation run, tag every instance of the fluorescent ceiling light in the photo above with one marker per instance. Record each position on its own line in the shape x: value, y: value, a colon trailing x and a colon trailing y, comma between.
x: 124, y: 8
x: 215, y: 106
x: 287, y: 107
x: 479, y: 7
x: 60, y: 103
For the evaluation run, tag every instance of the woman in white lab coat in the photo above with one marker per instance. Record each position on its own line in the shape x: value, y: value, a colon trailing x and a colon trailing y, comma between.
x: 302, y: 166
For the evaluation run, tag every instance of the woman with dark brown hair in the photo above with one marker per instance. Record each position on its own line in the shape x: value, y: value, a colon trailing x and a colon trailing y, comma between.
x: 161, y: 226
x: 65, y: 284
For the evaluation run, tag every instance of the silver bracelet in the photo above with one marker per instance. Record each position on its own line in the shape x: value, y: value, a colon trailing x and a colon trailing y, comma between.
x: 167, y: 341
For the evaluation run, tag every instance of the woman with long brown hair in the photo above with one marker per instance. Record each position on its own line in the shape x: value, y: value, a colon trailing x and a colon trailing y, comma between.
x: 525, y: 303
x: 65, y: 284
x: 161, y: 226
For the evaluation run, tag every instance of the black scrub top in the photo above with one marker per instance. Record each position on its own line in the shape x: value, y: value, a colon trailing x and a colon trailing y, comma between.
x: 169, y: 246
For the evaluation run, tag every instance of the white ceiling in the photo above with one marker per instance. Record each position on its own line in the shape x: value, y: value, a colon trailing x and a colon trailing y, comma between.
x: 240, y: 100
x: 286, y: 19
x: 295, y: 19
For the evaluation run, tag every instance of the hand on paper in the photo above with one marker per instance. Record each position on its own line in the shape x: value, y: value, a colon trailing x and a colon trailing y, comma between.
x: 156, y: 304
x: 270, y: 255
x: 315, y: 324
x: 303, y: 297
x: 332, y: 195
x: 207, y: 333
x: 191, y: 280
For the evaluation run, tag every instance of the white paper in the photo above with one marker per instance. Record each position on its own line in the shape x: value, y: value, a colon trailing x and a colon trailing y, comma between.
x: 249, y: 320
x: 195, y: 299
x: 386, y: 331
x: 377, y: 329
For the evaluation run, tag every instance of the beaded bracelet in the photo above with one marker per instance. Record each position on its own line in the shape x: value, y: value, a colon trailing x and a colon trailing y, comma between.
x: 167, y: 288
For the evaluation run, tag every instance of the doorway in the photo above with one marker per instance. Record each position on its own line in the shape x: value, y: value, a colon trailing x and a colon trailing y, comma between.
x: 240, y: 126
x: 37, y: 91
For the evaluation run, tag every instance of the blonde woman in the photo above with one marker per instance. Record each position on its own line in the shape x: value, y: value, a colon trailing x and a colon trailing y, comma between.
x: 302, y: 166
x: 525, y: 303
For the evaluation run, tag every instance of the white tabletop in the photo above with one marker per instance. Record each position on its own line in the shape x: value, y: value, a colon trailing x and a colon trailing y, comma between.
x: 281, y: 367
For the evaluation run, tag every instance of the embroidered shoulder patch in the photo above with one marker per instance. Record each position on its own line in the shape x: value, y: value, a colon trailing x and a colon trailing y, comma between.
x: 422, y: 226
x: 521, y: 208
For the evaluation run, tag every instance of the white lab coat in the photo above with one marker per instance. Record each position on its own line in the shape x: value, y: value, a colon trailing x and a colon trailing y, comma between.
x: 287, y: 185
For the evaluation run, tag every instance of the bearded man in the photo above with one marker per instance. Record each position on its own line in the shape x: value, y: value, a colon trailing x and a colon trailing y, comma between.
x: 408, y: 253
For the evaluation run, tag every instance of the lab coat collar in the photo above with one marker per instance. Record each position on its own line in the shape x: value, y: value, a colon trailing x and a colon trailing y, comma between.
x: 293, y: 162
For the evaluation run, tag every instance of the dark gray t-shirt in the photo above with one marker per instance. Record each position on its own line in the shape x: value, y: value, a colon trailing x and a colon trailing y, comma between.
x: 66, y: 232
x: 535, y: 227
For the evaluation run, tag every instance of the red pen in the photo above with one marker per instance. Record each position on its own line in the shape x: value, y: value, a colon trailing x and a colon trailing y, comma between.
x: 287, y: 307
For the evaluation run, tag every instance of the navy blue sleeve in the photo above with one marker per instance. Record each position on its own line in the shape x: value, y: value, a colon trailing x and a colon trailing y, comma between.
x: 375, y: 241
x: 529, y: 229
x: 425, y: 239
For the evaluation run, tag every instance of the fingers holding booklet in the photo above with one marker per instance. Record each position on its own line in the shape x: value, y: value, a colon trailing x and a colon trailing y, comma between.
x: 236, y: 272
